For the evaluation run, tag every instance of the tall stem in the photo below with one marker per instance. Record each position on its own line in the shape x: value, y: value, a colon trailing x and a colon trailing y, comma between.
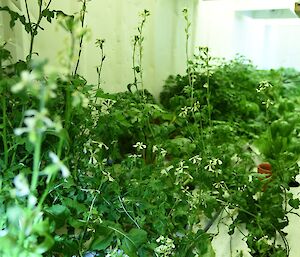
x: 36, y: 163
x: 208, y: 88
x: 33, y: 31
x: 4, y: 136
x: 30, y: 31
x: 83, y: 10
x: 37, y: 146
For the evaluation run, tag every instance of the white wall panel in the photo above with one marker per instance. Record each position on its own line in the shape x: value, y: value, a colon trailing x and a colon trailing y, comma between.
x: 116, y: 21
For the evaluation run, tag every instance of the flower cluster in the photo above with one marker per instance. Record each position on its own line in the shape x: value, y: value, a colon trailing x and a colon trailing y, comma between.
x: 93, y: 148
x: 213, y: 164
x: 186, y: 109
x: 159, y: 149
x: 181, y: 173
x: 196, y: 159
x: 37, y: 123
x: 166, y: 247
x: 105, y: 105
x: 263, y: 85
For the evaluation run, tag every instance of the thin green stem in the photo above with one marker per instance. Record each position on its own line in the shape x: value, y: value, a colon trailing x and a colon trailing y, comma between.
x: 4, y: 134
x: 89, y: 216
x: 33, y: 31
x: 36, y: 163
x: 208, y: 89
x: 132, y: 219
x: 83, y: 12
x: 133, y: 62
x: 141, y: 58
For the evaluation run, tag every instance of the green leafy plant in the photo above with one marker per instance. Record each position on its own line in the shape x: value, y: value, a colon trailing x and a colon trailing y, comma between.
x: 142, y: 178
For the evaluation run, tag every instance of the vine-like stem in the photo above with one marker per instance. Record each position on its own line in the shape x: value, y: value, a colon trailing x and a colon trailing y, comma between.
x: 132, y: 219
x: 100, y: 44
x: 36, y: 162
x: 138, y: 42
x: 206, y: 62
x: 82, y: 18
x: 33, y: 30
x: 187, y: 42
x: 133, y: 62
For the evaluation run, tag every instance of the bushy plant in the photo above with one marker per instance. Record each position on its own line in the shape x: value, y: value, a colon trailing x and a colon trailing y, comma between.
x: 88, y: 173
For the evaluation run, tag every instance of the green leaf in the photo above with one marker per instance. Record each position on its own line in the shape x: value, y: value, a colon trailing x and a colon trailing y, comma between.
x: 59, y: 214
x: 48, y: 14
x: 102, y: 239
x: 294, y: 203
x: 135, y: 238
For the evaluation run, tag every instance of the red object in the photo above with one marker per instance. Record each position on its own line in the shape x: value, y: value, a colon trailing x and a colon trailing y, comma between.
x: 265, y: 168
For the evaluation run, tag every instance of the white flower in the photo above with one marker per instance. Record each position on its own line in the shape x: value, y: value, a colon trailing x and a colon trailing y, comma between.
x: 196, y: 159
x: 21, y: 185
x: 140, y: 146
x: 166, y: 170
x: 211, y: 166
x: 154, y: 148
x: 105, y: 105
x: 163, y: 152
x: 184, y: 111
x: 196, y: 106
x: 263, y: 85
x: 181, y: 167
x: 134, y: 156
x: 257, y: 196
x: 27, y: 79
x: 268, y: 103
x: 36, y: 122
x: 64, y: 170
x: 32, y: 200
x: 166, y: 246
x: 108, y: 175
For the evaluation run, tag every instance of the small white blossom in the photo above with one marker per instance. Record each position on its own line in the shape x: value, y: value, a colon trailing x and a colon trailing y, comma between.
x: 257, y: 196
x: 211, y: 166
x: 184, y: 111
x: 166, y: 170
x: 163, y: 152
x: 134, y: 156
x: 154, y: 148
x: 108, y: 175
x: 263, y: 85
x: 140, y: 146
x: 36, y: 122
x: 27, y: 79
x: 196, y: 106
x: 64, y: 170
x: 268, y: 103
x: 181, y: 167
x: 105, y: 105
x: 196, y: 159
x: 21, y: 185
